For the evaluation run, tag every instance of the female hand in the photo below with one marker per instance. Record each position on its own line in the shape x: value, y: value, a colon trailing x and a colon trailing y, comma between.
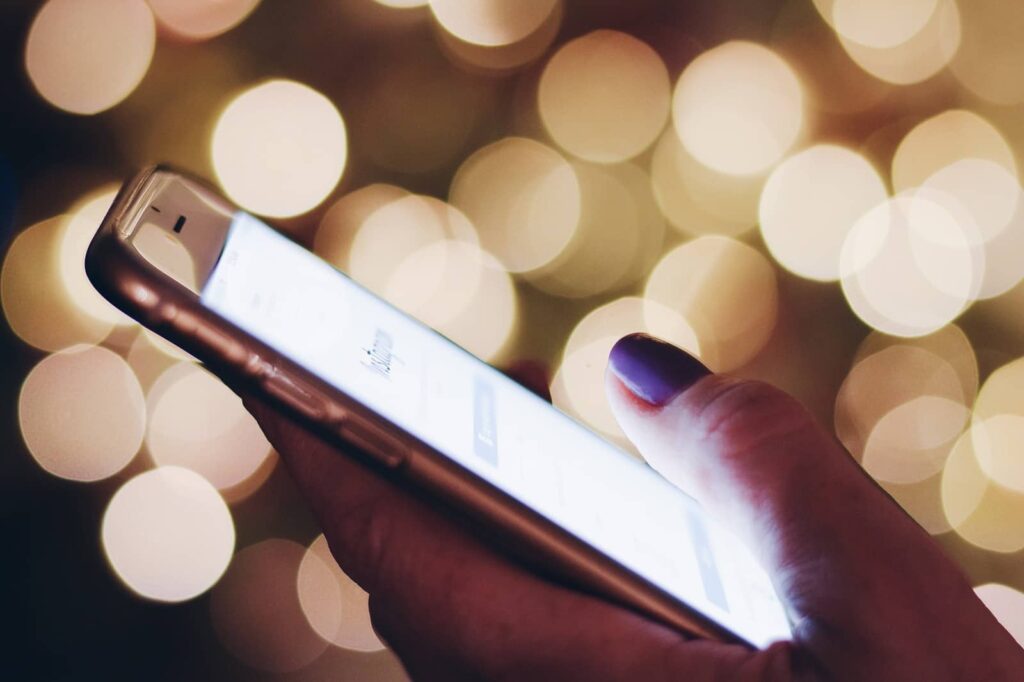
x: 873, y: 597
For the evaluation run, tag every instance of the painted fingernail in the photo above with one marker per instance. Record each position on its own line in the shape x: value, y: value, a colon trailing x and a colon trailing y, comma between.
x: 654, y: 370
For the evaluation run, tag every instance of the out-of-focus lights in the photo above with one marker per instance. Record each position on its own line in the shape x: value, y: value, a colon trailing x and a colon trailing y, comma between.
x: 578, y: 385
x: 923, y: 501
x: 492, y: 22
x: 523, y: 198
x: 30, y: 282
x: 279, y: 148
x: 999, y: 426
x: 605, y: 96
x: 880, y: 23
x: 920, y: 56
x: 944, y: 139
x: 341, y: 222
x: 402, y: 4
x: 727, y: 292
x: 990, y: 61
x: 396, y: 230
x: 77, y: 233
x: 196, y: 422
x: 499, y: 59
x: 168, y: 534
x: 82, y: 413
x: 200, y: 19
x: 334, y: 605
x: 980, y: 510
x: 738, y: 108
x: 698, y: 200
x: 256, y: 611
x: 1007, y: 605
x: 460, y: 290
x: 606, y: 242
x: 810, y: 203
x: 909, y: 266
x: 899, y: 411
x: 86, y: 56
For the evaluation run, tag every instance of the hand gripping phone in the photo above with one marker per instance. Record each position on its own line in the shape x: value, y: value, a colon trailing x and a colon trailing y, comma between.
x: 263, y: 312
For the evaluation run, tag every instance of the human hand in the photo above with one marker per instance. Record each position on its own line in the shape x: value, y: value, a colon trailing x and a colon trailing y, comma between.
x: 871, y: 595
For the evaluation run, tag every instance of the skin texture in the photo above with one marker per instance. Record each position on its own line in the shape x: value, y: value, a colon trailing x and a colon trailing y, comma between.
x: 873, y: 597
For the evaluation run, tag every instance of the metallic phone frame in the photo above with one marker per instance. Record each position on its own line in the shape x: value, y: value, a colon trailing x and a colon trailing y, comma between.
x: 158, y: 302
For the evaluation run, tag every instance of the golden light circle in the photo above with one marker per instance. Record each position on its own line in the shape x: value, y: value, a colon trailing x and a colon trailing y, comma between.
x: 341, y: 222
x: 726, y: 291
x: 923, y: 501
x: 917, y: 58
x: 36, y: 304
x: 82, y: 413
x: 605, y: 96
x: 810, y: 203
x: 200, y: 19
x: 279, y: 148
x: 578, y: 385
x: 85, y: 57
x: 492, y: 22
x: 78, y: 231
x: 698, y: 200
x: 899, y: 411
x: 738, y: 108
x: 402, y: 4
x: 1001, y: 393
x: 524, y: 199
x: 168, y: 534
x: 396, y: 230
x: 879, y: 23
x: 196, y: 422
x: 980, y: 510
x: 460, y: 290
x: 990, y: 61
x: 997, y: 442
x: 500, y: 59
x: 335, y: 606
x: 943, y: 140
x: 256, y: 612
x: 909, y: 267
x: 1007, y: 605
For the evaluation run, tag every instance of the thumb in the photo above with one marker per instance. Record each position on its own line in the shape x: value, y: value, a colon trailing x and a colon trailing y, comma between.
x: 851, y: 566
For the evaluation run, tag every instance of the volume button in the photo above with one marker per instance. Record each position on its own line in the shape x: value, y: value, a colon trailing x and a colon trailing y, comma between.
x: 295, y: 395
x: 382, y: 446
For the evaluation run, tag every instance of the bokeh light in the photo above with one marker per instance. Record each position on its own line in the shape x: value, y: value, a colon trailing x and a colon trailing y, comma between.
x: 196, y: 422
x: 77, y: 231
x: 810, y: 203
x: 998, y: 426
x: 341, y: 222
x: 738, y: 108
x: 82, y: 413
x: 85, y: 57
x: 922, y: 55
x: 279, y: 148
x: 980, y: 510
x: 1007, y: 605
x: 200, y: 19
x: 726, y: 291
x: 879, y: 23
x: 698, y: 200
x: 990, y: 61
x: 909, y: 266
x: 604, y: 97
x: 492, y: 22
x: 256, y: 611
x: 168, y: 534
x: 36, y: 304
x: 335, y: 606
x: 523, y: 198
x: 501, y: 59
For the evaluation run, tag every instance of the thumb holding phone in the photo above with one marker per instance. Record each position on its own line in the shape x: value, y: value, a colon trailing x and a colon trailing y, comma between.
x: 871, y: 596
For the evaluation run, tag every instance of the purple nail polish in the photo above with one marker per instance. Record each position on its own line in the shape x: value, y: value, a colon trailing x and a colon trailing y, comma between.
x: 654, y: 370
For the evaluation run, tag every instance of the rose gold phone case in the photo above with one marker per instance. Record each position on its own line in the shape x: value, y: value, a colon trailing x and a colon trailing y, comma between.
x: 166, y: 307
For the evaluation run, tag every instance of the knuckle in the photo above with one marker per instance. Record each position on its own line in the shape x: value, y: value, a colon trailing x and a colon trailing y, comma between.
x: 743, y: 415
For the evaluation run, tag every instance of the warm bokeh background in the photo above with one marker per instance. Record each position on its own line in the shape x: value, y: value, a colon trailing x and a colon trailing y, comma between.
x: 824, y: 194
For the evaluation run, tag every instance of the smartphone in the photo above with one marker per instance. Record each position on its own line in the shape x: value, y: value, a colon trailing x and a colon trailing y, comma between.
x: 263, y: 312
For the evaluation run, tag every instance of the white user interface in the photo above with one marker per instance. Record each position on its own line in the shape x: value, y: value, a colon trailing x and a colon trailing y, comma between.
x: 460, y: 406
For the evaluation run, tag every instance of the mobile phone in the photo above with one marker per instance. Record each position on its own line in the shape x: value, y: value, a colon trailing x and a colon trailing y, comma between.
x: 262, y: 311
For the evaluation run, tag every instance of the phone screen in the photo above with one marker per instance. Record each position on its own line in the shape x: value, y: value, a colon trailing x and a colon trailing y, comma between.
x: 420, y: 381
